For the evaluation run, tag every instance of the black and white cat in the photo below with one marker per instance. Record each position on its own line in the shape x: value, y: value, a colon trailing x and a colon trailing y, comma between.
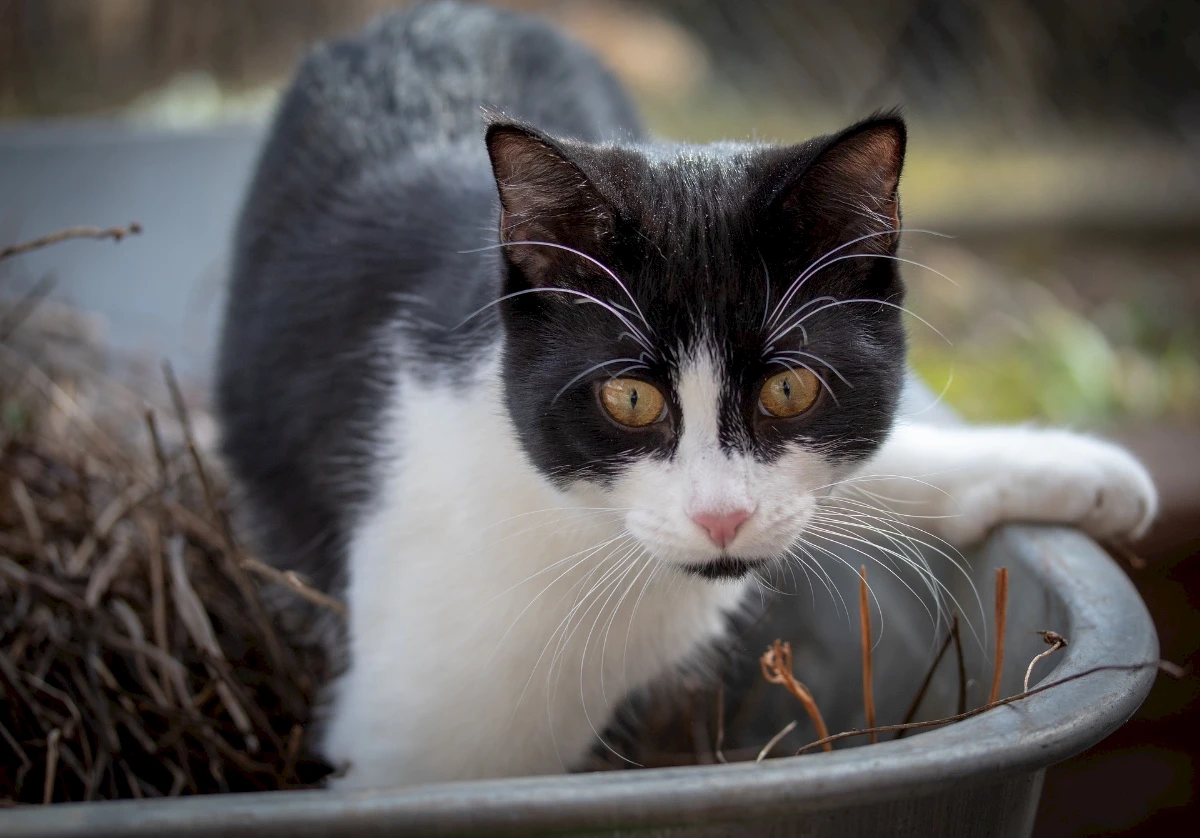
x: 538, y: 397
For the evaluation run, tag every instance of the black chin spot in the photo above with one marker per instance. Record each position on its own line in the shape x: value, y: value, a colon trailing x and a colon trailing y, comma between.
x: 725, y: 567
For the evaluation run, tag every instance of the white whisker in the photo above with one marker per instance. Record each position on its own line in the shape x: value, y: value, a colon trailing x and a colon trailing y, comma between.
x: 819, y: 360
x: 820, y: 262
x: 886, y: 304
x: 611, y: 274
x: 817, y: 375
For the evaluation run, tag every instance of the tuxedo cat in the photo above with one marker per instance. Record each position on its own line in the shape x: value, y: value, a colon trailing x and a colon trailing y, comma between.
x: 540, y: 397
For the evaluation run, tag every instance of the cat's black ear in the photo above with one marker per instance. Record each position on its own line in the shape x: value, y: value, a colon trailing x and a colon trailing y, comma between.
x: 850, y: 189
x: 544, y: 197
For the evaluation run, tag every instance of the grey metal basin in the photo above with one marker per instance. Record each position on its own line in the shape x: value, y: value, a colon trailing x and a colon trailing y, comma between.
x: 980, y: 777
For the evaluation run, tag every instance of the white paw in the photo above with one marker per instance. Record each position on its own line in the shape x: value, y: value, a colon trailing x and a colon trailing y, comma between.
x: 1051, y: 477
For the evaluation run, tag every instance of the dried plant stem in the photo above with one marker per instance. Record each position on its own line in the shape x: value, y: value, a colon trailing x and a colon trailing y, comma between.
x: 133, y: 653
x: 275, y: 649
x: 17, y: 750
x: 825, y: 742
x: 292, y: 581
x: 962, y: 666
x: 114, y: 233
x: 1056, y: 641
x: 719, y: 747
x: 775, y: 740
x: 776, y: 665
x: 52, y: 740
x: 26, y: 306
x: 864, y: 611
x: 1001, y: 624
x: 33, y: 526
x: 911, y: 713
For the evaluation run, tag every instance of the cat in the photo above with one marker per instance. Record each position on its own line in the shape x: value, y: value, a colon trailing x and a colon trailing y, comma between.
x: 539, y: 397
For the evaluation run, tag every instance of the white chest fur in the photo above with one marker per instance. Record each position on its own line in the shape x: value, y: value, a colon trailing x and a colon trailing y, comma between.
x: 495, y: 622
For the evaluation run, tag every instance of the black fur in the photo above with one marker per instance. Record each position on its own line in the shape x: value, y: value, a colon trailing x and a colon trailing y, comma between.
x: 373, y: 179
x: 359, y: 250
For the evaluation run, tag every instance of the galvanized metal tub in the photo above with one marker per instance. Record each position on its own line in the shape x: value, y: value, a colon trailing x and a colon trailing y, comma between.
x: 978, y: 777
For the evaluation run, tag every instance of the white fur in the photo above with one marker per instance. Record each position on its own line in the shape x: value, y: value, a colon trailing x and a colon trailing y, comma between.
x: 960, y: 482
x: 459, y: 614
x: 496, y: 621
x: 702, y: 477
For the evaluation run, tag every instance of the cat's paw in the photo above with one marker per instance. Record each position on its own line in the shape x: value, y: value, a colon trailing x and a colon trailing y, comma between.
x: 1052, y: 477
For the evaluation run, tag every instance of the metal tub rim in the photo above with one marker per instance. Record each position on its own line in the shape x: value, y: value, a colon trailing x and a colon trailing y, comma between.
x: 1107, y: 623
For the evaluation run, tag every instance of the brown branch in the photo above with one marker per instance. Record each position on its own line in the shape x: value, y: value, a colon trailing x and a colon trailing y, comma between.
x: 51, y: 766
x: 962, y: 666
x: 275, y: 648
x: 719, y: 747
x: 775, y: 740
x: 776, y: 665
x: 1169, y: 668
x: 292, y: 754
x: 1056, y: 641
x: 17, y: 750
x: 1001, y: 624
x: 864, y: 611
x: 18, y: 574
x: 292, y: 581
x: 114, y: 233
x: 29, y: 517
x: 26, y: 306
x: 911, y: 713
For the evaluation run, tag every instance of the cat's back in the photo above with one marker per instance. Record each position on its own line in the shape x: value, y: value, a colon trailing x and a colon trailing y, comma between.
x: 421, y: 76
x: 410, y: 91
x: 372, y: 183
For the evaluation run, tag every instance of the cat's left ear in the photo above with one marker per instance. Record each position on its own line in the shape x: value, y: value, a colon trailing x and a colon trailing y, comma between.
x: 544, y: 197
x: 850, y: 189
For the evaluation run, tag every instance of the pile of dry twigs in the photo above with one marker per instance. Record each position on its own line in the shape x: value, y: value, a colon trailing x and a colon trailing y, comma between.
x: 137, y: 658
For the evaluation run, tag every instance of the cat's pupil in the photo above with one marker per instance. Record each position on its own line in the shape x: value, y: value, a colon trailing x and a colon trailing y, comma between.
x: 787, y: 390
x: 633, y: 396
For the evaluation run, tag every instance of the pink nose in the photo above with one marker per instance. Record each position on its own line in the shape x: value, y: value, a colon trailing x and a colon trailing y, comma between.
x: 722, y: 526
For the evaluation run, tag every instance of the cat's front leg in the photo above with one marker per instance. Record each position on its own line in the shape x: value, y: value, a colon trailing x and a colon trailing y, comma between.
x: 959, y: 482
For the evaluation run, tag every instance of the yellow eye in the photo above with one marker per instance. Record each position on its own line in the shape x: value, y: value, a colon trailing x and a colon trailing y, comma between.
x: 789, y: 393
x: 632, y: 402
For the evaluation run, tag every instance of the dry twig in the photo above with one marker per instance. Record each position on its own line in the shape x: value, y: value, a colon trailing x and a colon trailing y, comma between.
x: 1056, y: 641
x: 776, y: 665
x: 51, y: 766
x: 114, y: 233
x: 1001, y: 625
x: 719, y: 747
x: 1165, y: 666
x: 150, y: 675
x: 911, y: 713
x: 775, y: 740
x: 962, y: 666
x: 293, y: 582
x: 28, y: 303
x: 274, y: 648
x: 864, y: 611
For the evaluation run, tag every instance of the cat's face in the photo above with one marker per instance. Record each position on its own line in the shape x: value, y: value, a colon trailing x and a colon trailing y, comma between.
x: 705, y: 339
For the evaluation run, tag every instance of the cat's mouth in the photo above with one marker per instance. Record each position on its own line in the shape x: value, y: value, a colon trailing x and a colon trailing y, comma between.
x: 723, y: 567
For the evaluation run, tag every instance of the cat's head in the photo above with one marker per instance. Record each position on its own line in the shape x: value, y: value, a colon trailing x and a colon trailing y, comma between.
x: 703, y: 338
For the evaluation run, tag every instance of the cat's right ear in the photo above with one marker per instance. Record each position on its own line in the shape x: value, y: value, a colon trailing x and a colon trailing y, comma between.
x: 545, y: 199
x: 850, y: 189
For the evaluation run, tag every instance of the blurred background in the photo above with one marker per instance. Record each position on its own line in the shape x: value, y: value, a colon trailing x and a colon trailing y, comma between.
x: 1056, y: 143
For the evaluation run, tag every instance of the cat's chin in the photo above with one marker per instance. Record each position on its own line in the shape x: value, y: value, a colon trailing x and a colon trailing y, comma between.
x: 723, y: 567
